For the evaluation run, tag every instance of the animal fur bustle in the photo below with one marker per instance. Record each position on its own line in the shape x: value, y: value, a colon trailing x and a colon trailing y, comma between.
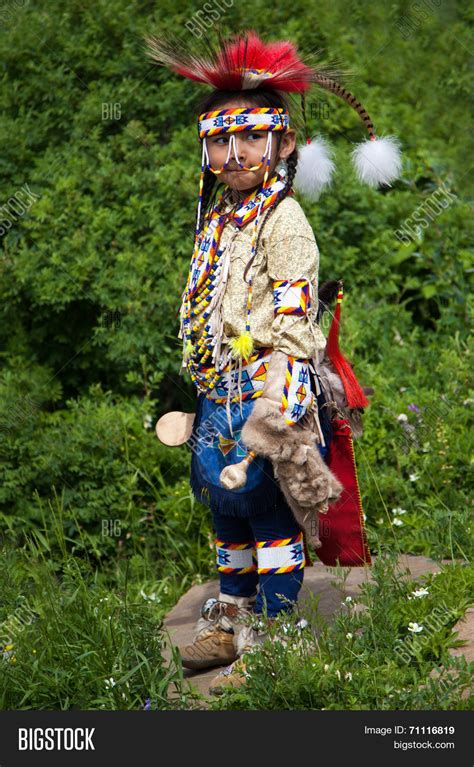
x: 336, y: 398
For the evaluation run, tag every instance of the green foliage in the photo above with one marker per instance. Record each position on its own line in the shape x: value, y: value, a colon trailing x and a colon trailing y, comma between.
x: 100, y: 145
x: 367, y: 659
x: 74, y: 644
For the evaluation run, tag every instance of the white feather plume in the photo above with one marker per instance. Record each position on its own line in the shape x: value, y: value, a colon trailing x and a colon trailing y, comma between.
x: 314, y: 168
x: 378, y: 161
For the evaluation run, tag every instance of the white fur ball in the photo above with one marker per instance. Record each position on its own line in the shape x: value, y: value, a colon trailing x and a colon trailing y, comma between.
x: 378, y: 161
x: 314, y: 168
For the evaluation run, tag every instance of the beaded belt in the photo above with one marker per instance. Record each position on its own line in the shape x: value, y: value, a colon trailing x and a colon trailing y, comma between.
x: 252, y: 379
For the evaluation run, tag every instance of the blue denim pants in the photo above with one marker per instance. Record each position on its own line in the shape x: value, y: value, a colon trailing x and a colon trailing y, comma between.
x: 264, y: 550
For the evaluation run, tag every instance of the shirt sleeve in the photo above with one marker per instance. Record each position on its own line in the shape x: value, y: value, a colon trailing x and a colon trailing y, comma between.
x: 293, y: 266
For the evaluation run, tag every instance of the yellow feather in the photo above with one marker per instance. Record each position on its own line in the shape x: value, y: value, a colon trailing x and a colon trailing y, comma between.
x: 242, y: 346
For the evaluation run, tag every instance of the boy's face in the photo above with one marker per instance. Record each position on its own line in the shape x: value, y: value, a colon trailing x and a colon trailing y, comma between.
x: 250, y: 148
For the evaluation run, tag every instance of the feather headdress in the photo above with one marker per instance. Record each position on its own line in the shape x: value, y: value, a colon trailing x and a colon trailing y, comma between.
x: 244, y: 62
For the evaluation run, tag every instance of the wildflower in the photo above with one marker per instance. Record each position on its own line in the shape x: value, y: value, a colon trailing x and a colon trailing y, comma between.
x: 349, y: 599
x: 109, y: 683
x: 150, y: 597
x: 398, y: 522
x: 348, y: 635
x: 420, y: 592
x: 148, y: 422
x: 147, y: 705
x: 8, y: 647
x: 398, y: 511
x: 402, y: 418
x: 414, y: 408
x: 365, y: 516
x: 413, y: 477
x: 348, y: 676
x: 326, y: 667
x: 338, y: 674
x: 414, y: 627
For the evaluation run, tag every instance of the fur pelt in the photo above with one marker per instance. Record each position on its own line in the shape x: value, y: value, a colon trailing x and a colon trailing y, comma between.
x: 305, y: 480
x: 336, y: 398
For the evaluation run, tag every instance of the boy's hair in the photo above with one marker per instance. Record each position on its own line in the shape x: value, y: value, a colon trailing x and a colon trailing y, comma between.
x: 259, y: 97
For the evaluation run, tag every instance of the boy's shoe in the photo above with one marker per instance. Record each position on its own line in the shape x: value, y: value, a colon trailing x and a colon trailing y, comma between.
x: 212, y: 647
x: 236, y: 675
x: 214, y: 639
x: 233, y: 676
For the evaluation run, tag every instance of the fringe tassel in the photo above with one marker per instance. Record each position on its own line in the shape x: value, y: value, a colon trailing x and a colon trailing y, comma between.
x: 231, y: 503
x: 354, y: 394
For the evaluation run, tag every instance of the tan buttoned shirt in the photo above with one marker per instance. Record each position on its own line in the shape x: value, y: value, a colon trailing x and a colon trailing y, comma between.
x: 287, y: 251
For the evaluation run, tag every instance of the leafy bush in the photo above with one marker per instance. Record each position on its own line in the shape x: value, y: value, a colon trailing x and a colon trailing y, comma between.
x: 99, y: 149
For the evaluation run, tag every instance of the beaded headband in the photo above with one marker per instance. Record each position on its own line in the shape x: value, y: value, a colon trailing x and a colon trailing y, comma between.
x: 242, y: 118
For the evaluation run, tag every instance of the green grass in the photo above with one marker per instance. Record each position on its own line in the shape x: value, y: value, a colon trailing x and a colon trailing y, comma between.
x: 367, y: 659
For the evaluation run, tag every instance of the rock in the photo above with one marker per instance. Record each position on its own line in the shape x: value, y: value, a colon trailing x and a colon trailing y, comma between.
x: 324, y: 582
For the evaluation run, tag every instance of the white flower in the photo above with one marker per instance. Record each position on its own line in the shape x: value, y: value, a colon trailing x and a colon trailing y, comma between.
x: 402, y: 418
x: 348, y: 635
x: 415, y: 628
x: 348, y: 676
x: 148, y: 422
x: 349, y: 599
x: 413, y: 477
x: 109, y: 683
x: 398, y: 522
x: 398, y: 511
x: 326, y: 667
x: 338, y: 674
x: 149, y: 597
x: 365, y: 516
x: 420, y: 592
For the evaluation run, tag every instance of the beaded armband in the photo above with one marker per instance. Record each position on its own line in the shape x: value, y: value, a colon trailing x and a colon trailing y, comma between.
x: 297, y: 396
x: 291, y: 297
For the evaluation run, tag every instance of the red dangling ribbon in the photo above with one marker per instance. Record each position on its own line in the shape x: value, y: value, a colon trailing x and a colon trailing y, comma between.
x: 354, y: 394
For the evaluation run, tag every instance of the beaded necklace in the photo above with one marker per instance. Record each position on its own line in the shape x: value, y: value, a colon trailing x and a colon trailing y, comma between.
x: 206, y: 280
